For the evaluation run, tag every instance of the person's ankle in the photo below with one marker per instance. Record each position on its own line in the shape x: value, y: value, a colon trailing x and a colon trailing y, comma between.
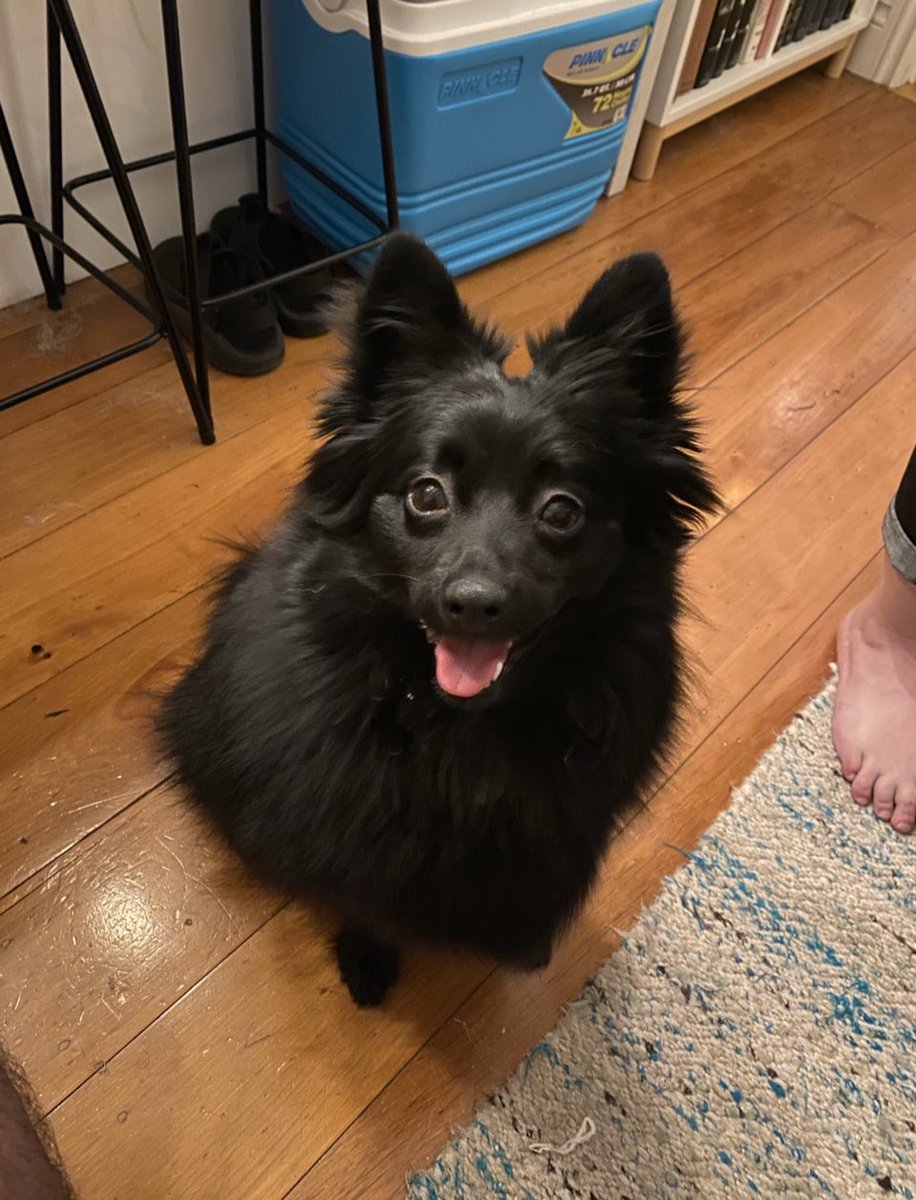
x: 893, y: 603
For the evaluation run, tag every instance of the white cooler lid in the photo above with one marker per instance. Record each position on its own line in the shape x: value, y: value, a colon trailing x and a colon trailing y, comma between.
x: 420, y: 27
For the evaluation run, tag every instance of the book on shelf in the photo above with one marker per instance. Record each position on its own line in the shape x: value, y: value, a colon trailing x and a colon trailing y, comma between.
x: 728, y: 40
x: 838, y: 10
x: 728, y: 32
x: 758, y: 25
x: 741, y: 33
x: 805, y: 17
x: 720, y: 23
x: 698, y: 38
x: 774, y: 21
x: 826, y: 20
x: 810, y: 19
x: 793, y: 14
x: 801, y: 24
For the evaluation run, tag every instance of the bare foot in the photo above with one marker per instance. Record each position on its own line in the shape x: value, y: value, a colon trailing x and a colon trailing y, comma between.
x: 874, y: 719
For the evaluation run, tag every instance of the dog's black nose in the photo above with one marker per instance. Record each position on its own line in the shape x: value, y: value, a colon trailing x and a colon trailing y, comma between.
x: 473, y: 602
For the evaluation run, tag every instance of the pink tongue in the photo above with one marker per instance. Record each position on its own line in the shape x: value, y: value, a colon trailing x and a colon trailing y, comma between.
x: 465, y: 666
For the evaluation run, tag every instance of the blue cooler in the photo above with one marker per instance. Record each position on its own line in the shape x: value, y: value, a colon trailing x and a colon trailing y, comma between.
x: 507, y: 115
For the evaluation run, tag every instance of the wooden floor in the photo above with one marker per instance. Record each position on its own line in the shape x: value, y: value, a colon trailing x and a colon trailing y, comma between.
x: 183, y: 1028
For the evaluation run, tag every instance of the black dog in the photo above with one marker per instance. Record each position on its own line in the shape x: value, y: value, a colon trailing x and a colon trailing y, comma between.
x: 425, y: 695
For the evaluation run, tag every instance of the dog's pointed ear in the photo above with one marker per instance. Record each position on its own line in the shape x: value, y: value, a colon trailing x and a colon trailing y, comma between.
x: 409, y: 281
x: 410, y: 316
x: 402, y: 328
x: 628, y: 313
x: 618, y: 363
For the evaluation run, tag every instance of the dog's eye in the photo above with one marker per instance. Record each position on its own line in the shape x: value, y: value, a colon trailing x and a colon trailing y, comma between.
x: 562, y: 514
x: 427, y: 497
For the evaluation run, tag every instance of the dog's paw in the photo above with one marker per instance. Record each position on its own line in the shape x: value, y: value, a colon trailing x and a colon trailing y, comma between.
x: 534, y: 957
x: 368, y: 966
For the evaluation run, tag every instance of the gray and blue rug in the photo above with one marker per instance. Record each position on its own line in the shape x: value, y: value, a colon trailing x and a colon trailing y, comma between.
x: 755, y: 1037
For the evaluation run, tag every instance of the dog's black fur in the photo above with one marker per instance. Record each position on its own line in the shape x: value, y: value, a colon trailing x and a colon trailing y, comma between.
x: 312, y: 729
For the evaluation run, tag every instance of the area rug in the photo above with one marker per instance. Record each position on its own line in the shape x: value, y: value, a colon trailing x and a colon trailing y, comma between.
x: 755, y: 1036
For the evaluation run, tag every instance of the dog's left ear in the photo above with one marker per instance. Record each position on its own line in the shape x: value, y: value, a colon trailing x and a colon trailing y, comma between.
x: 628, y: 313
x: 411, y: 318
x: 621, y: 353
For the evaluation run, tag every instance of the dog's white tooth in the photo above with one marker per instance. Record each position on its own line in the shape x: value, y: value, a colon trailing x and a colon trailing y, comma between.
x: 498, y: 671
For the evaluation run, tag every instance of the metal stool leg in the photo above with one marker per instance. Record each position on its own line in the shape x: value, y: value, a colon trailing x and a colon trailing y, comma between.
x: 55, y: 148
x: 384, y: 111
x: 25, y: 208
x: 89, y: 88
x: 185, y: 190
x: 257, y: 85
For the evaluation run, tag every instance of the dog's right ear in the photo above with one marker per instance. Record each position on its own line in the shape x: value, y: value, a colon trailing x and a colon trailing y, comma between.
x: 403, y: 327
x: 410, y: 320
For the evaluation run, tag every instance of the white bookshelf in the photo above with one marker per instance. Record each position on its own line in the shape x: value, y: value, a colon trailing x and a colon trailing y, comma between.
x: 667, y: 113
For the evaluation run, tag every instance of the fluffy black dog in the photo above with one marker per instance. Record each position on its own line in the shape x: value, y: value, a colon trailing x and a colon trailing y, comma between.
x: 425, y: 695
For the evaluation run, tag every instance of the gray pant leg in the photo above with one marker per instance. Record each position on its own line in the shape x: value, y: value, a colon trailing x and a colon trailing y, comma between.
x: 900, y: 549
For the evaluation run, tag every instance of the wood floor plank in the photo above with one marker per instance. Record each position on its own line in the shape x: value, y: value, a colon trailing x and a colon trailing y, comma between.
x: 758, y: 594
x: 410, y: 1121
x: 119, y: 329
x: 762, y: 410
x: 37, y: 343
x: 124, y: 926
x: 79, y: 748
x: 884, y: 195
x: 751, y: 128
x: 129, y: 558
x: 237, y: 1106
x: 66, y: 339
x: 145, y: 420
x: 763, y: 288
x: 734, y: 306
x: 33, y: 311
x: 869, y: 131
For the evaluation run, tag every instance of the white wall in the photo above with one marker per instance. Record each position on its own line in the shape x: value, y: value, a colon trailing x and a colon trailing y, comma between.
x: 886, y: 51
x: 124, y: 42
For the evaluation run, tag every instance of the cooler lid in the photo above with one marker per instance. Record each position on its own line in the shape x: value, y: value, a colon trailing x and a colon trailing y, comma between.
x: 421, y: 27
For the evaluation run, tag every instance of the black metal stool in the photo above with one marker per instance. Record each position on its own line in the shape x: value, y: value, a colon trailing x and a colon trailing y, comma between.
x: 60, y: 22
x: 196, y: 383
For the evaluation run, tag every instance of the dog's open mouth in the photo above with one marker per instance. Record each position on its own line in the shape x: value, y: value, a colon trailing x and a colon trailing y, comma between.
x: 465, y: 667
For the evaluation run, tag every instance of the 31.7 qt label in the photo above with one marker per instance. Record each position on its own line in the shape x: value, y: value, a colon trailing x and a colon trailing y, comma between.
x: 596, y: 79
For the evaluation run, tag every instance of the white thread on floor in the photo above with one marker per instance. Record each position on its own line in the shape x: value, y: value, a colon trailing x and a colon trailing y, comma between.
x: 585, y: 1134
